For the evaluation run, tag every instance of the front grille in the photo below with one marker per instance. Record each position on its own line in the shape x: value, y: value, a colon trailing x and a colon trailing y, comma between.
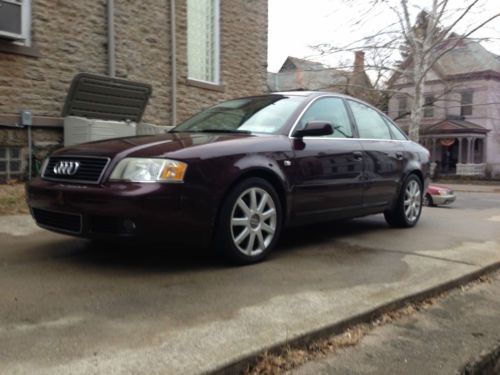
x: 90, y: 169
x: 57, y: 220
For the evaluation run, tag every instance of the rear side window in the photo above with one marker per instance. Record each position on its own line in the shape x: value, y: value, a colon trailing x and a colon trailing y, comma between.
x: 370, y: 123
x: 330, y: 110
x: 397, y: 133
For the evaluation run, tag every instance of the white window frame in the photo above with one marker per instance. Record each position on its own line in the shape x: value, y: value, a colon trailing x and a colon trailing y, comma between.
x: 25, y: 23
x: 216, y: 57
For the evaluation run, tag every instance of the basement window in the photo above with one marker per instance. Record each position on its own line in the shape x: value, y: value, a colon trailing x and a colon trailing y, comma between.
x: 10, y: 164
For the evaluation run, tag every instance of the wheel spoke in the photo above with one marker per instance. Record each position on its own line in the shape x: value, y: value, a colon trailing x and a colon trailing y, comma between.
x: 244, y: 234
x: 239, y: 221
x: 260, y: 238
x: 262, y: 203
x: 269, y: 213
x: 253, y: 200
x: 250, y: 244
x: 243, y: 206
x: 267, y: 228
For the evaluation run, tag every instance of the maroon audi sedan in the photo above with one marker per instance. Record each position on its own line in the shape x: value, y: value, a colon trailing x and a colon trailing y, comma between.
x: 235, y: 174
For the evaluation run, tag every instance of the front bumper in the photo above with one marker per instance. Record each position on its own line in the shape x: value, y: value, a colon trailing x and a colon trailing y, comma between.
x: 443, y: 199
x: 169, y: 212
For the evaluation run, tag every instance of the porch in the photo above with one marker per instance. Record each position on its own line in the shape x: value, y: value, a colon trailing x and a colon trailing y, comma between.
x: 457, y: 147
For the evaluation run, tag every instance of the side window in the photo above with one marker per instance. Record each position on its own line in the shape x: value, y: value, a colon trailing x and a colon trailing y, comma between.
x: 370, y: 123
x: 397, y: 133
x: 331, y: 110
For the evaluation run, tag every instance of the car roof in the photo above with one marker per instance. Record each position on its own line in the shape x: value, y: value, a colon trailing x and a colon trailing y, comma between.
x: 311, y: 93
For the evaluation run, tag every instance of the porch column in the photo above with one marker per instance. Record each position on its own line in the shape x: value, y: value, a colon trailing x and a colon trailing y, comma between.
x: 433, y: 158
x: 483, y: 149
x: 473, y: 152
x: 459, y: 150
x: 467, y: 153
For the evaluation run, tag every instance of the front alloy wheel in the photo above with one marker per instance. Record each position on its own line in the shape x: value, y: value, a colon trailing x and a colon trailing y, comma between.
x: 253, y: 221
x: 249, y: 222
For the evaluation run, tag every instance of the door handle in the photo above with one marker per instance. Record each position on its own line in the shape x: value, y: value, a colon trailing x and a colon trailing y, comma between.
x: 358, y: 155
x: 399, y: 155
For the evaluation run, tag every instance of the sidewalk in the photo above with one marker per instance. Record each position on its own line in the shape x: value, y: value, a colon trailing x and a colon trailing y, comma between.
x: 461, y: 329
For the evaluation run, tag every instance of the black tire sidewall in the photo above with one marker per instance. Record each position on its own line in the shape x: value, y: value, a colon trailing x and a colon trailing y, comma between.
x: 223, y: 240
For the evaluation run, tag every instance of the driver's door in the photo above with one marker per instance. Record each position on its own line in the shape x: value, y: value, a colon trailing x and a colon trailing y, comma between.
x: 328, y: 169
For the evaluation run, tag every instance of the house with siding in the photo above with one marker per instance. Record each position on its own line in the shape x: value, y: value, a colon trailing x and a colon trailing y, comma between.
x: 461, y: 118
x: 193, y: 53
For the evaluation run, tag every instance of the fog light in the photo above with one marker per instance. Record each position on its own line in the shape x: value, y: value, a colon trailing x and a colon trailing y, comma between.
x: 129, y: 226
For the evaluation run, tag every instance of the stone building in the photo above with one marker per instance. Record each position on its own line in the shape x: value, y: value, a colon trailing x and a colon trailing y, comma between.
x: 461, y: 119
x: 194, y: 53
x: 301, y: 74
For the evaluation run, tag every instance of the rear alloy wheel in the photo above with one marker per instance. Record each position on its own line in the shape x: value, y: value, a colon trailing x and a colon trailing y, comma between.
x: 250, y: 221
x: 408, y: 208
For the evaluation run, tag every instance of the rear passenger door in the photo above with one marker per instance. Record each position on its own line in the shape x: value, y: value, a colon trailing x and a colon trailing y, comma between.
x: 383, y: 156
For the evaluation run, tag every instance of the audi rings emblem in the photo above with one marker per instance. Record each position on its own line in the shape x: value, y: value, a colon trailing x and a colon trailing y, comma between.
x: 66, y: 168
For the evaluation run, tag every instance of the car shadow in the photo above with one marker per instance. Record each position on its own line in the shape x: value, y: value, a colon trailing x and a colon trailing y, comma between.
x: 158, y: 257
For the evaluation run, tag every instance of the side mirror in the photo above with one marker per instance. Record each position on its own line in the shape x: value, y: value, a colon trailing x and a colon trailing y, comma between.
x: 314, y: 128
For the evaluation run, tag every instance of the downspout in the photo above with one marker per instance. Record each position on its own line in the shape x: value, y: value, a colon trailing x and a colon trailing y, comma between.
x: 173, y: 54
x: 111, y: 39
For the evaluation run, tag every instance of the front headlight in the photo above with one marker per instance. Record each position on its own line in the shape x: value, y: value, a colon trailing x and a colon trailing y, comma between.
x: 149, y: 170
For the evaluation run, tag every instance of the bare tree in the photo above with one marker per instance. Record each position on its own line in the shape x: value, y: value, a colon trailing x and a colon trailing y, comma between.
x: 423, y: 39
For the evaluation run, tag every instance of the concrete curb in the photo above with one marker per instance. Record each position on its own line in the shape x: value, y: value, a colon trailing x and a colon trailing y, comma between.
x: 240, y: 364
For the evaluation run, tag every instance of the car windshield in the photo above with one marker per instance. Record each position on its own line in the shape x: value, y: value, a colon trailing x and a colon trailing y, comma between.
x: 266, y: 114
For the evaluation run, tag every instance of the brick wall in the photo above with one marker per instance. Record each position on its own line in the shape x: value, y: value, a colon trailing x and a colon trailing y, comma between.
x: 71, y: 37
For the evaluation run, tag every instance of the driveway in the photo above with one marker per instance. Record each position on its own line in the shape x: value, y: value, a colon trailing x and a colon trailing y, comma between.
x: 67, y: 306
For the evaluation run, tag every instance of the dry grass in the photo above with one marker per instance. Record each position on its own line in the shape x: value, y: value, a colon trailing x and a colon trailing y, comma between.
x: 12, y: 199
x: 290, y: 358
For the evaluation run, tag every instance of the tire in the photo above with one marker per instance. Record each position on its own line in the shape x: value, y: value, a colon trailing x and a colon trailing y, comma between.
x: 428, y: 200
x: 249, y: 223
x: 406, y: 212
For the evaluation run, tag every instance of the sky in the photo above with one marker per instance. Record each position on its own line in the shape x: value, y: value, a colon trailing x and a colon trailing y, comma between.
x: 294, y: 25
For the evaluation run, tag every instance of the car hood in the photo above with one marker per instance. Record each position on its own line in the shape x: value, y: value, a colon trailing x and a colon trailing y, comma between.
x: 180, y: 144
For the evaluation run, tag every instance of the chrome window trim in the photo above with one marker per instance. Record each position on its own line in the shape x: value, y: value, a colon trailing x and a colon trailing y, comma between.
x: 304, y: 111
x: 108, y: 160
x: 343, y: 138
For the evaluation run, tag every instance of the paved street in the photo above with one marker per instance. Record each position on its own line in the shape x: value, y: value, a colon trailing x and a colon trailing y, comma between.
x: 68, y: 307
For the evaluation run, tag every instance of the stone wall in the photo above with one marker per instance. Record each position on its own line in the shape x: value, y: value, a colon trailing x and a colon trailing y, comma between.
x: 71, y: 37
